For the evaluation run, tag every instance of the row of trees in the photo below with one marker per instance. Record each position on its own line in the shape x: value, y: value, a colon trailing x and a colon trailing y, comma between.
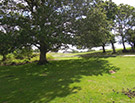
x: 102, y: 21
x: 52, y: 24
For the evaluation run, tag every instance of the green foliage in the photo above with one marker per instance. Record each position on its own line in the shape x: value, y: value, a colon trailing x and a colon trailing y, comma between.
x: 92, y: 30
x: 130, y: 36
x: 50, y: 25
x: 36, y: 51
x: 25, y: 52
x: 45, y: 24
x: 7, y: 43
x: 124, y: 21
x: 13, y: 59
x: 111, y: 9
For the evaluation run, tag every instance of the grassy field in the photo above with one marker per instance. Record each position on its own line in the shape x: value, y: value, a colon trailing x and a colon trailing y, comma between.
x: 71, y: 78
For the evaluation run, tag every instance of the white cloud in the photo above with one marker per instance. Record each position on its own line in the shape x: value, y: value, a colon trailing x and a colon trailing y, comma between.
x: 129, y: 2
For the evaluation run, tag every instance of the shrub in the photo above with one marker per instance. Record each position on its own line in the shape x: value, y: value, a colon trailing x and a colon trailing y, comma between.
x: 23, y: 53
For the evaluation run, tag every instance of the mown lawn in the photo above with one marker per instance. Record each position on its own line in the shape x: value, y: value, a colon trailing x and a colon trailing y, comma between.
x: 71, y: 80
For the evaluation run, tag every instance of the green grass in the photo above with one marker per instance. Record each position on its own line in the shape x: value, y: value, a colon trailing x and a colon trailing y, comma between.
x: 63, y: 56
x: 69, y: 80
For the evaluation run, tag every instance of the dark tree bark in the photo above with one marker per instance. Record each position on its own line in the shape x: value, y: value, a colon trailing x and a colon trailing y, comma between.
x: 133, y: 49
x: 123, y: 43
x: 43, y: 58
x: 134, y: 44
x: 103, y: 46
x: 113, y: 47
x: 4, y: 57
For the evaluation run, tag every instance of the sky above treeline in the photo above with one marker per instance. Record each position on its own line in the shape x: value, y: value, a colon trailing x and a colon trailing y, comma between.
x: 129, y: 2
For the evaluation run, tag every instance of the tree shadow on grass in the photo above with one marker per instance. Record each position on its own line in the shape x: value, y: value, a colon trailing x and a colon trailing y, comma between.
x: 34, y: 83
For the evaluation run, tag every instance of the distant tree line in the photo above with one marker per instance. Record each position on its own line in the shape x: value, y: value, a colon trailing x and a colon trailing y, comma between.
x: 52, y: 24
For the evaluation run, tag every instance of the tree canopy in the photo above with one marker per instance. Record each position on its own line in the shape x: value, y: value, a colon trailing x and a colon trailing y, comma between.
x: 52, y: 24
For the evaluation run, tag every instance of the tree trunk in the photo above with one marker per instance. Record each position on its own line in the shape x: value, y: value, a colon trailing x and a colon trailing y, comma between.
x: 113, y: 47
x: 133, y: 49
x: 134, y: 44
x: 124, y: 47
x: 4, y: 57
x: 103, y: 46
x: 42, y: 59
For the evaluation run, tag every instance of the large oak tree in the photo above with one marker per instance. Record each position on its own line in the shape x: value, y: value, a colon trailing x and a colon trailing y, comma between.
x: 46, y: 24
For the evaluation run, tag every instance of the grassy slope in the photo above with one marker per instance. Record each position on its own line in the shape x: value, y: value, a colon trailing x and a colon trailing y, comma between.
x: 70, y: 80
